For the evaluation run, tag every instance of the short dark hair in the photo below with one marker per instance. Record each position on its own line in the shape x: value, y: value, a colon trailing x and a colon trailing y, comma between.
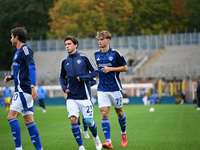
x: 21, y: 33
x: 73, y: 39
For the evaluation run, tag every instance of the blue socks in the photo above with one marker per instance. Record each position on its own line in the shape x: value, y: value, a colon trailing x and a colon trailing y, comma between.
x: 34, y: 135
x: 33, y: 132
x: 16, y: 132
x: 77, y: 134
x: 122, y: 122
x: 93, y: 129
x: 106, y: 128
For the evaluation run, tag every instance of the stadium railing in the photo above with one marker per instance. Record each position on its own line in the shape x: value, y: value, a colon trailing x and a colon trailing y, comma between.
x: 140, y: 42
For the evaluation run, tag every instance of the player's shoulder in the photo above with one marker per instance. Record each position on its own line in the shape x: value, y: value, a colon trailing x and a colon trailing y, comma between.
x: 64, y: 60
x: 26, y: 50
x: 116, y: 51
x: 97, y: 51
x: 83, y: 55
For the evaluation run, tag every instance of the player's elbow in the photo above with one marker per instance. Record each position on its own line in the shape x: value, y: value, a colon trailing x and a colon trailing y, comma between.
x: 125, y: 68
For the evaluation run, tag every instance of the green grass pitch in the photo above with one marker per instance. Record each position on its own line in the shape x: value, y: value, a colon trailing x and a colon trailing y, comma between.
x: 170, y: 127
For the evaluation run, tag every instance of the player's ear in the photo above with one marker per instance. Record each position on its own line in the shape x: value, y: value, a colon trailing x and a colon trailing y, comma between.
x: 108, y: 40
x: 17, y: 37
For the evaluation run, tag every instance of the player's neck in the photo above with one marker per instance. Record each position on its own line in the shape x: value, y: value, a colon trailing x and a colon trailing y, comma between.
x: 19, y: 45
x: 105, y: 49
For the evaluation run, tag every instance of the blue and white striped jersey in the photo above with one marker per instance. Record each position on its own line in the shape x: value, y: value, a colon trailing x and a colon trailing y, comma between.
x: 23, y: 62
x: 109, y: 81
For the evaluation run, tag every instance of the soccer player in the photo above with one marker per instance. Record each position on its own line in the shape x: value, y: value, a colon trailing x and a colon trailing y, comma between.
x: 7, y: 94
x: 24, y: 76
x: 77, y: 70
x: 41, y: 96
x: 110, y: 63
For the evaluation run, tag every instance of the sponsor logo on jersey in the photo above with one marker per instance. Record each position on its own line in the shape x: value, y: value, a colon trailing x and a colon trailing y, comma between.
x: 106, y: 64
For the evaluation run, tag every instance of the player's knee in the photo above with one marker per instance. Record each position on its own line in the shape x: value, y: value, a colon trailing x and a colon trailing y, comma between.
x: 10, y: 117
x: 120, y: 114
x: 88, y: 121
x: 74, y: 119
x: 105, y: 114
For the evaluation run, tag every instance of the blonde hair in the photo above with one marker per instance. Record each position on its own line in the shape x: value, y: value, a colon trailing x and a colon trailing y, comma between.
x: 104, y: 34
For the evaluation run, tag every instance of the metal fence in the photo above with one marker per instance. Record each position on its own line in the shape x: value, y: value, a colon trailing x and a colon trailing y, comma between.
x: 137, y: 42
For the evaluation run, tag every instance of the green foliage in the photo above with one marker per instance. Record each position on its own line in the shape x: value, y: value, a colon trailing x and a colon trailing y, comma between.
x: 85, y: 18
x: 32, y: 14
x: 194, y: 18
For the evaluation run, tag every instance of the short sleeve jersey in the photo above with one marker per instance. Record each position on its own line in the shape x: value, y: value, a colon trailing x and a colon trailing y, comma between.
x: 109, y: 81
x: 41, y: 92
x: 7, y: 92
x: 21, y: 61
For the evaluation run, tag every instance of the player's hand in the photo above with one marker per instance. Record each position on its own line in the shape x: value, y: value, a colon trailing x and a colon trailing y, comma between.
x: 67, y: 91
x: 78, y: 79
x: 7, y: 78
x: 106, y: 69
x: 34, y: 94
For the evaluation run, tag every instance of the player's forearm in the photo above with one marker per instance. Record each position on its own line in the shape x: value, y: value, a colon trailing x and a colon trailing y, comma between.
x: 119, y: 69
x: 89, y: 76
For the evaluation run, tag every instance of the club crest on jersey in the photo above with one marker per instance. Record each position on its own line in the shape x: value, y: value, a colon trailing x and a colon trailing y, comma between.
x: 78, y: 61
x: 98, y: 59
x: 110, y: 58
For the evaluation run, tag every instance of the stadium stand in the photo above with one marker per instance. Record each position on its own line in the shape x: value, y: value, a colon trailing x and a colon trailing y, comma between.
x: 179, y: 61
x: 48, y: 63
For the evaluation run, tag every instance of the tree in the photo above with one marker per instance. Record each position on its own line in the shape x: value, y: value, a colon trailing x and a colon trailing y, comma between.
x: 194, y: 17
x: 84, y: 17
x: 150, y: 16
x: 32, y: 14
x: 179, y: 17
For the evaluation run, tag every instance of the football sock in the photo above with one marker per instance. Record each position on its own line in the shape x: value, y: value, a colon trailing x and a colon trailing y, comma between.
x: 84, y: 125
x: 7, y: 108
x: 122, y: 122
x: 106, y: 128
x: 16, y: 132
x: 77, y: 134
x: 34, y: 135
x: 93, y: 129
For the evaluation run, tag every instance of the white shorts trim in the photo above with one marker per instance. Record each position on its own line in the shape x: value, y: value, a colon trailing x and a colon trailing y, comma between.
x: 74, y: 107
x: 107, y: 99
x: 22, y: 103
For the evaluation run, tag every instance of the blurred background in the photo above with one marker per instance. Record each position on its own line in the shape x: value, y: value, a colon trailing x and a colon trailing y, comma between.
x: 160, y: 40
